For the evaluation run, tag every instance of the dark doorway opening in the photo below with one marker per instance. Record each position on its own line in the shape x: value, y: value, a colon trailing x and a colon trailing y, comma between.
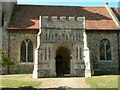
x: 62, y: 61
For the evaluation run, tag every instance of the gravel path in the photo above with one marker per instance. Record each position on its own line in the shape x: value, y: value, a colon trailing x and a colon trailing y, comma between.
x: 67, y: 82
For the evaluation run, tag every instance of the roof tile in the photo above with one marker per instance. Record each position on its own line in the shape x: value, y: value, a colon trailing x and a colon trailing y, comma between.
x: 27, y: 16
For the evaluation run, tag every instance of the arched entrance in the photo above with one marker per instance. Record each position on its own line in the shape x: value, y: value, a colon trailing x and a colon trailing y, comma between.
x: 62, y: 61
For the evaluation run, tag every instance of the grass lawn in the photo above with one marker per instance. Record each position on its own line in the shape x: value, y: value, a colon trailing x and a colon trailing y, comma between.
x: 19, y: 80
x: 104, y: 81
x: 26, y: 81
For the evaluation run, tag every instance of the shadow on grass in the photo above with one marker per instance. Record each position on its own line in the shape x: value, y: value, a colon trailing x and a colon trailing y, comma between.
x: 99, y: 73
x: 20, y: 88
x: 59, y: 88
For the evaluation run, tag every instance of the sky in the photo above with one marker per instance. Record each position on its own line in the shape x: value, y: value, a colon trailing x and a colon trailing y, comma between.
x: 112, y: 3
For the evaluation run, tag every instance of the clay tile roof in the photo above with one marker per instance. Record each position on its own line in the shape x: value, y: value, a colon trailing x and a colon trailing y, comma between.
x: 27, y: 16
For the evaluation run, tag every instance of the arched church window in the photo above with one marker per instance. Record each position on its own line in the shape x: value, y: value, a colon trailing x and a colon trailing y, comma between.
x: 105, y: 50
x: 26, y: 51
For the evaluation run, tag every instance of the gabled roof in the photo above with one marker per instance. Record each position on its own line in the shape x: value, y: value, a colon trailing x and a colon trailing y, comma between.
x: 27, y: 16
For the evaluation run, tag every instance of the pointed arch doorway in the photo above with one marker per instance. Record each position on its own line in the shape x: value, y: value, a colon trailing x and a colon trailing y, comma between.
x: 62, y: 61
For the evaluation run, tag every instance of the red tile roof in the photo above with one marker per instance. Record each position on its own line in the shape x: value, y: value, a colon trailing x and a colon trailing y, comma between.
x: 27, y: 16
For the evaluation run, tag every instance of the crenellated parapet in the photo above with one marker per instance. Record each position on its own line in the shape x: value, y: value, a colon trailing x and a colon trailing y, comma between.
x: 62, y: 22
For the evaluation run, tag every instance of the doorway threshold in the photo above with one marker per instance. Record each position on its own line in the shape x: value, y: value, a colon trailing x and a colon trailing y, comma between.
x: 63, y: 75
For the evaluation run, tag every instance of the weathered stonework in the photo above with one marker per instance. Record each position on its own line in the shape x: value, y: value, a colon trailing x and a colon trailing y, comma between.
x: 16, y: 39
x: 94, y: 38
x: 0, y: 29
x: 4, y: 43
x: 67, y: 33
x: 0, y: 38
x: 6, y: 8
x: 55, y: 34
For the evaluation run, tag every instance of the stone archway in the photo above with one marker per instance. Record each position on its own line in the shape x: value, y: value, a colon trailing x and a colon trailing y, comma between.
x: 62, y: 61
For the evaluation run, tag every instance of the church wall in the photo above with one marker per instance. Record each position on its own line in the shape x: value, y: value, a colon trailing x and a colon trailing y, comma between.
x: 0, y: 36
x: 16, y: 38
x: 94, y: 38
x: 4, y: 40
x: 6, y: 9
x: 0, y: 29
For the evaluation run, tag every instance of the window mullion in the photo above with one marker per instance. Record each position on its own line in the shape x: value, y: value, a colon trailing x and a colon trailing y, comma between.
x: 26, y: 52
